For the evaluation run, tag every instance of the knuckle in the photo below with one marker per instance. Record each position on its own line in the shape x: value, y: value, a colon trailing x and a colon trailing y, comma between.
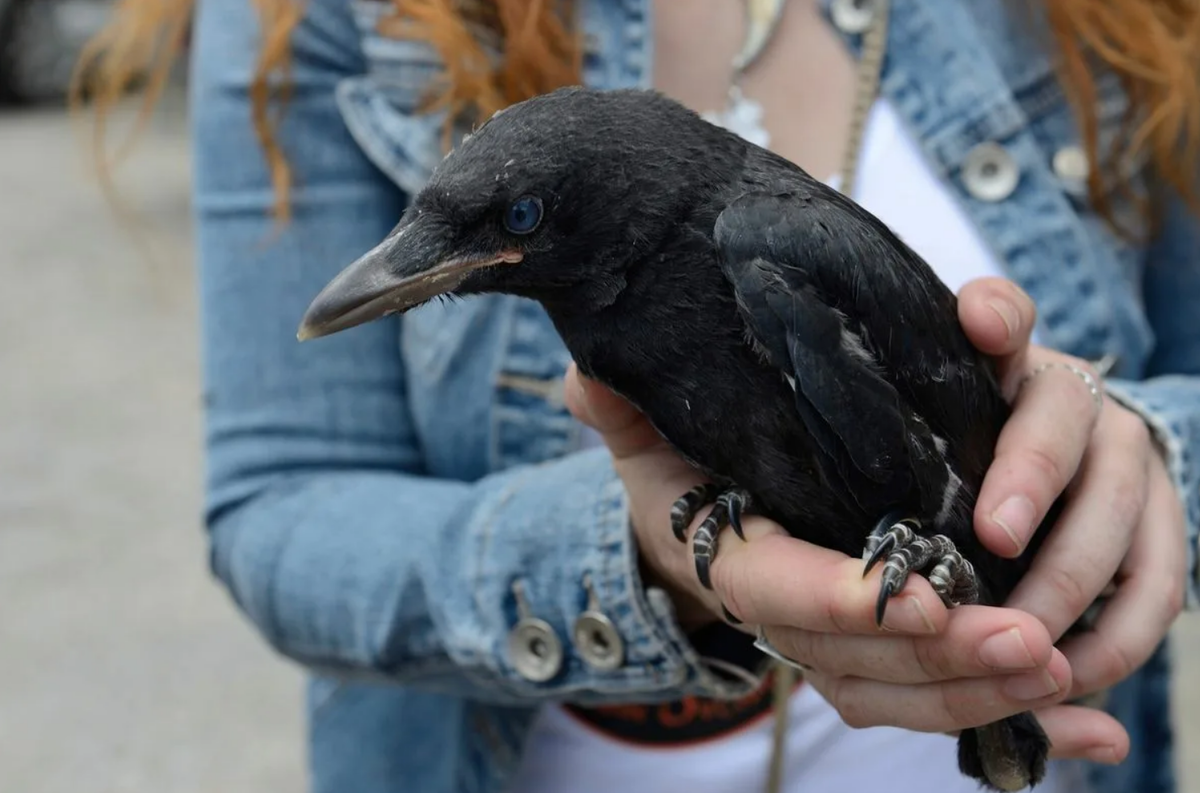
x: 1126, y: 429
x: 1115, y: 665
x: 1127, y: 500
x: 1069, y: 588
x: 801, y: 646
x: 1134, y: 429
x: 838, y: 615
x: 932, y: 660
x: 958, y: 711
x: 853, y: 710
x: 1046, y: 465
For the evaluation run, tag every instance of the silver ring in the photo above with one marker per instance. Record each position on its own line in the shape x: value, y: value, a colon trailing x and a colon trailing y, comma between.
x: 1093, y: 387
x: 764, y: 645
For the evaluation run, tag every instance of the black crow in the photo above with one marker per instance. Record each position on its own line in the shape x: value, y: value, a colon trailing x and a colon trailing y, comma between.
x: 779, y: 336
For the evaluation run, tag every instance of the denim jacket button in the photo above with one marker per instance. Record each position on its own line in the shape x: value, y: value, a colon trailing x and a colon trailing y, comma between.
x: 534, y: 650
x: 852, y: 16
x: 990, y: 173
x: 598, y: 641
x: 1071, y: 166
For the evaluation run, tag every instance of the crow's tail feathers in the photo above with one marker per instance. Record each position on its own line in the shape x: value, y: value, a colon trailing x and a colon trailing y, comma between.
x: 1007, y: 755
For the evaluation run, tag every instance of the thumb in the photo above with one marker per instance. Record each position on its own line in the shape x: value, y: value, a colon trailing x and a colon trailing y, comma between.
x: 999, y: 318
x: 622, y: 426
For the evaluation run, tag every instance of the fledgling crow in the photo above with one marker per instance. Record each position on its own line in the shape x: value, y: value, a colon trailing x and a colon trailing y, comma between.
x: 782, y: 338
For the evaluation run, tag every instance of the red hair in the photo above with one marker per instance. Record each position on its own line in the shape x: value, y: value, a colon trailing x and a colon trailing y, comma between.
x: 497, y: 52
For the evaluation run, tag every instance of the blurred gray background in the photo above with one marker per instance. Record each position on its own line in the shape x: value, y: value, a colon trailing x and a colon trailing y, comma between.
x: 123, y: 667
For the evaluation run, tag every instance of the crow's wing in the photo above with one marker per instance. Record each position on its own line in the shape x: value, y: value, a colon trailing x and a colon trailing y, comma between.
x: 858, y: 325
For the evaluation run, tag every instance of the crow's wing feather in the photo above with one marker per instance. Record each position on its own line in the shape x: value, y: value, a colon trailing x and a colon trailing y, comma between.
x: 819, y: 287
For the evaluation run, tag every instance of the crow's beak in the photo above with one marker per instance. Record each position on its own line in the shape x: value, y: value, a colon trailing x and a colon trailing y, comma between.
x: 415, y: 263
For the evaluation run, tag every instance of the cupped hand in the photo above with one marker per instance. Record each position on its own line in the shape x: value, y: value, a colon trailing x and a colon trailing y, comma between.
x: 926, y: 669
x: 1122, y: 529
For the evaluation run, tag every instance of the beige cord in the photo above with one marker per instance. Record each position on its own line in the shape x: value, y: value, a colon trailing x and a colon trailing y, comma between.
x: 870, y: 66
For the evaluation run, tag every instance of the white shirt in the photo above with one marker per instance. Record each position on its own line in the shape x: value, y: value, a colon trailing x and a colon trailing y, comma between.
x: 566, y: 755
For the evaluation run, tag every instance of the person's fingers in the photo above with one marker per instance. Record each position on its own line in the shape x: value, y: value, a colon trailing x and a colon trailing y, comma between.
x: 1147, y: 600
x: 948, y: 706
x: 1078, y: 733
x: 1037, y: 454
x: 774, y: 579
x: 1081, y: 554
x: 625, y: 430
x: 978, y: 642
x: 998, y: 318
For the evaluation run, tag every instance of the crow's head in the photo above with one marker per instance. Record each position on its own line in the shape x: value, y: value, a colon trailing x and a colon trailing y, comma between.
x: 555, y: 199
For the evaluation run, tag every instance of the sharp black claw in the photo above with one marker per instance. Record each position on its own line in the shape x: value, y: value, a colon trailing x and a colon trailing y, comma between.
x: 885, y: 593
x: 680, y: 532
x: 703, y: 562
x: 735, y: 521
x: 882, y: 550
x: 909, y: 552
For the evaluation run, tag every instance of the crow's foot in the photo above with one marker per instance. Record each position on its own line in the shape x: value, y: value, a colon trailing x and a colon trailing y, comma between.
x: 727, y: 511
x: 906, y: 551
x: 688, y: 506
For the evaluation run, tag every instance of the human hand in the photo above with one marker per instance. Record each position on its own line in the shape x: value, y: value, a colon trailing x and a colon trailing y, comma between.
x: 927, y: 669
x: 1123, y: 524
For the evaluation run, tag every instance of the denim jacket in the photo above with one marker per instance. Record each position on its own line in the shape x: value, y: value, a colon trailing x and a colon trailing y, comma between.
x: 377, y: 499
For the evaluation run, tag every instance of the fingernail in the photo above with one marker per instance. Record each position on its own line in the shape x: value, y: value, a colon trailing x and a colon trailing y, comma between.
x: 905, y: 614
x: 1035, y: 685
x: 1103, y: 754
x: 1015, y: 516
x: 1008, y: 314
x: 1006, y: 650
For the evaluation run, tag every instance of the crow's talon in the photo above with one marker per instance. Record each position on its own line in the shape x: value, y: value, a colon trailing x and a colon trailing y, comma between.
x: 734, y: 502
x: 687, y: 506
x: 906, y: 551
x: 703, y: 550
x: 728, y: 509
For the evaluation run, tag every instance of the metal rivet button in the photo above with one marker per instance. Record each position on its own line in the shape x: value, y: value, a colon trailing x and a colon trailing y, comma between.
x: 533, y: 647
x: 596, y: 637
x: 990, y: 173
x: 852, y: 16
x: 1070, y: 164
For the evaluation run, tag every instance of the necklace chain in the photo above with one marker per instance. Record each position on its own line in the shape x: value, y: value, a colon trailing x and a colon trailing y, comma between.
x: 867, y: 73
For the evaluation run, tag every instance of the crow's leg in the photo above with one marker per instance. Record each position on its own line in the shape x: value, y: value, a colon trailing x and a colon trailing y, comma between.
x: 730, y: 505
x: 906, y: 552
x: 688, y: 506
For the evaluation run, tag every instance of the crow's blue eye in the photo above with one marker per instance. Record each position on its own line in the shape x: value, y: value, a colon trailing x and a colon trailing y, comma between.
x: 523, y: 215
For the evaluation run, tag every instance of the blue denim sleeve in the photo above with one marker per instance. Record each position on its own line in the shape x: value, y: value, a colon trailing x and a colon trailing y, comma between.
x: 327, y: 532
x: 1169, y: 398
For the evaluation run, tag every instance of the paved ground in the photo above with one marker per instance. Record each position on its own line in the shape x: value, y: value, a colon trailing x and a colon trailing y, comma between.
x: 123, y: 669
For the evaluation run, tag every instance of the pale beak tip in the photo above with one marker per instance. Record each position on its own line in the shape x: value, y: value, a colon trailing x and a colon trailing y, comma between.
x: 308, y: 331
